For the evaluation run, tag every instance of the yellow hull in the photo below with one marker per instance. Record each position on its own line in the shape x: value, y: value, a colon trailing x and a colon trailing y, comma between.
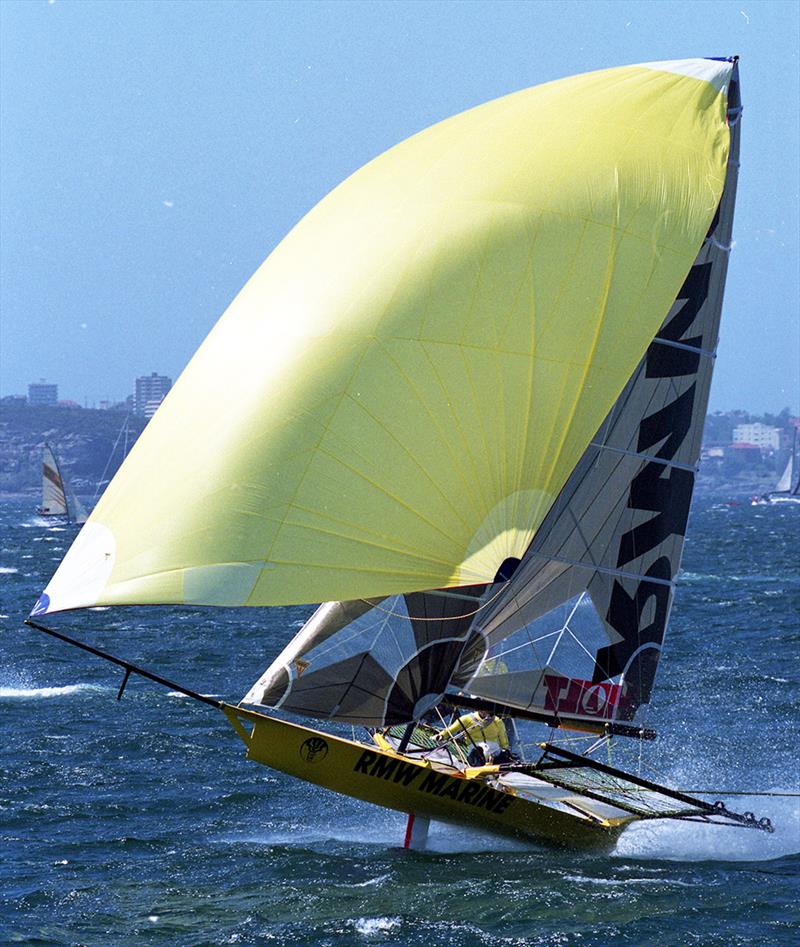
x: 388, y: 779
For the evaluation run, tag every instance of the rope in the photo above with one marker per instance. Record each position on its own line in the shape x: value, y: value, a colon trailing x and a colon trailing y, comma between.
x: 124, y: 429
x: 737, y: 792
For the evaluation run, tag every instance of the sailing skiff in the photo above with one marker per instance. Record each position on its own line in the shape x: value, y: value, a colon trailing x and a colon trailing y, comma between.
x: 461, y: 405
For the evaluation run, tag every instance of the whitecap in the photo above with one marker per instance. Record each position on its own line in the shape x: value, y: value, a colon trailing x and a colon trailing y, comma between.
x: 377, y: 880
x: 626, y: 881
x: 36, y: 693
x: 369, y: 926
x: 181, y: 694
x: 8, y: 570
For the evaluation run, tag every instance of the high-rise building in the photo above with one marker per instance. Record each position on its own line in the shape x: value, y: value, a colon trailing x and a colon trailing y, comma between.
x: 150, y: 392
x: 40, y: 393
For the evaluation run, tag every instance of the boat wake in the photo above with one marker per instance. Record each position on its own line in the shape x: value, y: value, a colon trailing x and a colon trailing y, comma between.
x: 388, y: 832
x: 690, y: 841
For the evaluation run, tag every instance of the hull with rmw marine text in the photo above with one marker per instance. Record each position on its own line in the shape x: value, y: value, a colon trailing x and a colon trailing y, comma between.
x: 397, y: 782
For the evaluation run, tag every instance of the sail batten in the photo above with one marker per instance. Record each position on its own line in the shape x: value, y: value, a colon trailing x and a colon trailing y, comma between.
x: 650, y: 458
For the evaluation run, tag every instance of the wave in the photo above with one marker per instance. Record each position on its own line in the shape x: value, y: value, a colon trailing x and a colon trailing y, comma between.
x: 38, y: 693
x: 8, y: 570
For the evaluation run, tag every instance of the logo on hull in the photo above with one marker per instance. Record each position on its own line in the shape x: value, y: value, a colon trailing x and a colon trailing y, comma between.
x: 314, y: 750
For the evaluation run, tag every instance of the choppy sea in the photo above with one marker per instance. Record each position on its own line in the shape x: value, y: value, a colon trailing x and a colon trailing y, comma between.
x: 141, y: 821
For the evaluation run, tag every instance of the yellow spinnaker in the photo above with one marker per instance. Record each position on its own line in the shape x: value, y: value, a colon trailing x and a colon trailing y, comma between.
x: 396, y: 397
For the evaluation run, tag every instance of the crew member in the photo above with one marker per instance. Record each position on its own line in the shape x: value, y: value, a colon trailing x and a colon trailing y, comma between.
x: 483, y: 735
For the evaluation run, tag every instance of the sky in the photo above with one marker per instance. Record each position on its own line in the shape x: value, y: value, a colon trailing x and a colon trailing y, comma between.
x: 152, y: 154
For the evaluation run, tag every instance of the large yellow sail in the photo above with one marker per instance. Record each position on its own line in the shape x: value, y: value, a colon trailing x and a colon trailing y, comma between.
x: 396, y: 397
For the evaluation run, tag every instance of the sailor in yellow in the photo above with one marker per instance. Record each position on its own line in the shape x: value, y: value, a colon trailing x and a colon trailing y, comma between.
x: 483, y: 736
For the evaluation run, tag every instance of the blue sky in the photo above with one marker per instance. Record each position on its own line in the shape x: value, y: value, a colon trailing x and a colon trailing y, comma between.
x: 153, y: 153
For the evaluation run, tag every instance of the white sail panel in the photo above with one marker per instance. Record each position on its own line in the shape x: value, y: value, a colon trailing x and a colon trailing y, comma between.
x: 398, y: 395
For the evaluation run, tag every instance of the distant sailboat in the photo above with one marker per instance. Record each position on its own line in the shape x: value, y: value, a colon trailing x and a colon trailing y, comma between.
x: 784, y: 492
x: 461, y: 404
x: 59, y: 501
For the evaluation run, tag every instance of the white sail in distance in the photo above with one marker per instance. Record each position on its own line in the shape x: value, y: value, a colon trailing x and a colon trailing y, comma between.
x: 58, y: 497
x: 54, y: 497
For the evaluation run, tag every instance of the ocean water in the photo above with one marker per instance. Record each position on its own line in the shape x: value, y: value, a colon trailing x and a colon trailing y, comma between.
x: 141, y: 821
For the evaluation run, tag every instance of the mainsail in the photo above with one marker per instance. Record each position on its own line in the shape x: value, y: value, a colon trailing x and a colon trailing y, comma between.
x: 468, y: 390
x: 784, y: 484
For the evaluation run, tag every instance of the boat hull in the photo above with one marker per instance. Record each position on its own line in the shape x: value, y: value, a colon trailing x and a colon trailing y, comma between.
x: 396, y: 782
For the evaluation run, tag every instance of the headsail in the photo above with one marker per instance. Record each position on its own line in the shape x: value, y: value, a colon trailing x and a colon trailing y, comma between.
x: 394, y: 401
x: 576, y: 632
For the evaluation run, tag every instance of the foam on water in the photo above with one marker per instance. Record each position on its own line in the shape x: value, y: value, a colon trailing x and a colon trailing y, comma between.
x: 370, y: 926
x: 37, y: 693
x: 583, y: 879
x: 186, y: 696
x: 8, y: 570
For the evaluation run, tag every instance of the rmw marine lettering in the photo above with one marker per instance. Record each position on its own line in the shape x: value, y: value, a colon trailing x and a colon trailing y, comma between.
x: 471, y: 791
x: 661, y: 490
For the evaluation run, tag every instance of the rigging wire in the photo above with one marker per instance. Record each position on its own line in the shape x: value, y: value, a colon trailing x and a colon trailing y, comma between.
x: 123, y: 429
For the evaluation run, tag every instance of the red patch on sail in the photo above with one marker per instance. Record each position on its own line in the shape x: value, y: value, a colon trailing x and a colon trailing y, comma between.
x: 567, y: 695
